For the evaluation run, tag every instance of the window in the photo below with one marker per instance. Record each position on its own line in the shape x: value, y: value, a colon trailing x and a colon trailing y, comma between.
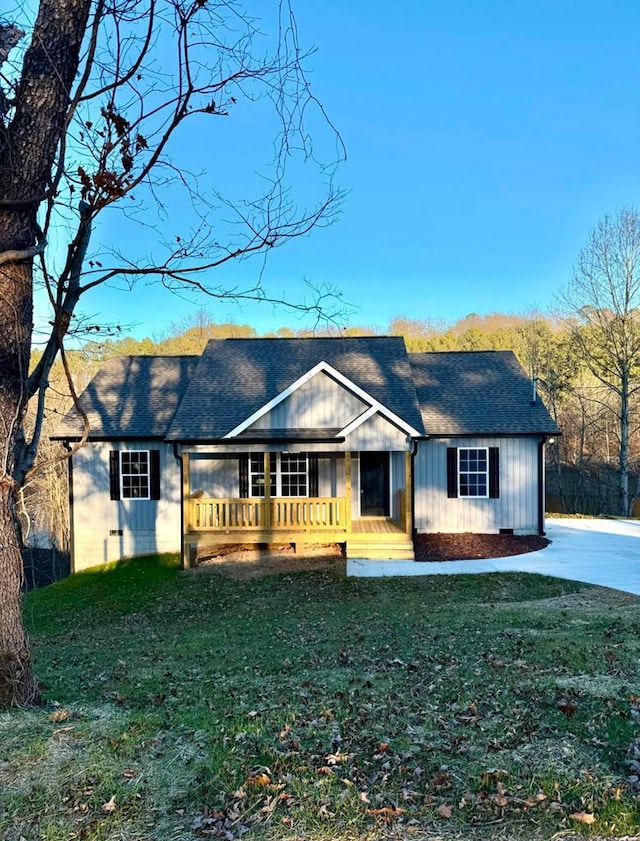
x: 256, y: 475
x: 473, y: 471
x: 134, y: 474
x: 292, y: 474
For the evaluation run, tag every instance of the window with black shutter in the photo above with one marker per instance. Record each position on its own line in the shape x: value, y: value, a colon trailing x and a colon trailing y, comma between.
x: 134, y: 474
x: 452, y: 472
x: 494, y: 472
x: 473, y: 472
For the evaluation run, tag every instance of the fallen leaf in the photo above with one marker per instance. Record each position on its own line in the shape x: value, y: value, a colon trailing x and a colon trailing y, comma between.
x: 258, y: 780
x: 60, y: 715
x: 444, y: 810
x: 583, y: 817
x: 323, y: 812
x: 110, y: 805
x: 59, y: 732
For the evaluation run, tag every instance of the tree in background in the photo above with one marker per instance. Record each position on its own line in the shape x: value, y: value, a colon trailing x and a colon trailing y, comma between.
x: 603, y: 299
x: 98, y: 101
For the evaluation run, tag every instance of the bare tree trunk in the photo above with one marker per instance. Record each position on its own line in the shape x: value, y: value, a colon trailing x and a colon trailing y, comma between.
x: 28, y: 144
x: 623, y: 508
x: 17, y: 686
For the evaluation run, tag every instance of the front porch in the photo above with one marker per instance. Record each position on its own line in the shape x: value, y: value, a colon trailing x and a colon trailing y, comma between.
x: 215, y: 521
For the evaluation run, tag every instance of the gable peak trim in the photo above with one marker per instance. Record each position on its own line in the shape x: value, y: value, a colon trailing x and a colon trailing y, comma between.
x: 332, y: 372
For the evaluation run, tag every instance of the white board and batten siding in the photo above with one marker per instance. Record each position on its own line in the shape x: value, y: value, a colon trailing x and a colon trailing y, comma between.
x: 322, y: 403
x: 516, y: 508
x: 106, y: 530
x: 319, y: 403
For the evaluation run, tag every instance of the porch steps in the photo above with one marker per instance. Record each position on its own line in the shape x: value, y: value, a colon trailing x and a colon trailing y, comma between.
x: 381, y: 547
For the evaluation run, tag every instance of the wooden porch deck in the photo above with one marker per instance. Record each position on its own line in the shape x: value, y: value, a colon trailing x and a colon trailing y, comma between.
x: 376, y: 525
x: 210, y: 523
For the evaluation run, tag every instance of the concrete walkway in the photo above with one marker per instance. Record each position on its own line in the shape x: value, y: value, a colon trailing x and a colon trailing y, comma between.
x: 604, y: 552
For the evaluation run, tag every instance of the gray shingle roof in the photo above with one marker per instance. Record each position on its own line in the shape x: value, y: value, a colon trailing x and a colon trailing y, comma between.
x: 236, y: 377
x: 189, y: 398
x: 477, y: 392
x: 132, y: 397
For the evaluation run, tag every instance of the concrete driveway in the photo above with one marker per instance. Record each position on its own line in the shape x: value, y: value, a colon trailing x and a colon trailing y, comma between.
x: 604, y: 552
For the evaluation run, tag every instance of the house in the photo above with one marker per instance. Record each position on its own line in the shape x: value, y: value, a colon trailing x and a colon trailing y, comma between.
x: 321, y: 440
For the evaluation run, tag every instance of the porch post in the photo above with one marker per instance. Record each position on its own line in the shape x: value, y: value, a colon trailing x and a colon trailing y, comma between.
x: 347, y: 489
x: 267, y: 491
x: 186, y: 510
x: 408, y: 493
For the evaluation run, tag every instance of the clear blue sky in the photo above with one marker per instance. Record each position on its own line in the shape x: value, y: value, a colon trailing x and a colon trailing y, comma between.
x: 485, y: 138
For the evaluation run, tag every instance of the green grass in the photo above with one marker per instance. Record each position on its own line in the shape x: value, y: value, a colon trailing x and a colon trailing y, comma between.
x: 187, y: 705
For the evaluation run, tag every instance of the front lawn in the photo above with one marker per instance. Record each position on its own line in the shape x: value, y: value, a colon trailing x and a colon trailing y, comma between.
x: 184, y: 705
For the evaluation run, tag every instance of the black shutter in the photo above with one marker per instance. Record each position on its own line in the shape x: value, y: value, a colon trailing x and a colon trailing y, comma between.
x: 114, y: 474
x: 244, y: 476
x: 452, y: 472
x: 494, y: 472
x: 313, y: 476
x: 154, y: 474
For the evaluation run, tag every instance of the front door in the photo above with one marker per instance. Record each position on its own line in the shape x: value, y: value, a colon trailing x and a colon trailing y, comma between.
x: 374, y: 484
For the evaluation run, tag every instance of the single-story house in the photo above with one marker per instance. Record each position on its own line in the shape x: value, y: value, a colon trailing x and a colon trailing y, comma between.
x: 320, y: 440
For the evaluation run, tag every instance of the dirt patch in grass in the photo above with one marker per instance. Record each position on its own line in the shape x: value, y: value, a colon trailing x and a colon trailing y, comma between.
x: 466, y: 547
x: 254, y: 561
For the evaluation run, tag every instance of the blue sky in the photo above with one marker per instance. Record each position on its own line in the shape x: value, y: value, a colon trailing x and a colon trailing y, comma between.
x: 485, y: 138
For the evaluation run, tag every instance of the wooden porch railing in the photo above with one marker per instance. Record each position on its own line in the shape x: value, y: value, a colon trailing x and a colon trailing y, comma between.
x: 285, y: 513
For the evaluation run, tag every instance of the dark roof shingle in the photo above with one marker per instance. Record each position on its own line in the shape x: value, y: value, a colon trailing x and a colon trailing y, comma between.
x: 189, y: 398
x: 475, y: 393
x: 132, y: 397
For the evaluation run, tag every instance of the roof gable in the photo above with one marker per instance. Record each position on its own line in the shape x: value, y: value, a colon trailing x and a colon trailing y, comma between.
x: 373, y: 405
x: 238, y: 380
x: 320, y: 402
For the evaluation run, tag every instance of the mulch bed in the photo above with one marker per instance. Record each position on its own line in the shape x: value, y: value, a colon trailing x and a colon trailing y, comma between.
x: 467, y: 547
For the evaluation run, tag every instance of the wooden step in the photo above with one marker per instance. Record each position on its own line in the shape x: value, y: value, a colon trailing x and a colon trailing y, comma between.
x: 389, y: 537
x: 392, y: 550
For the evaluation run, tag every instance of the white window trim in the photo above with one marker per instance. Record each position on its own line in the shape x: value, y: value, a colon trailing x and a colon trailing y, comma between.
x: 122, y: 453
x: 474, y: 473
x: 294, y: 473
x: 276, y: 468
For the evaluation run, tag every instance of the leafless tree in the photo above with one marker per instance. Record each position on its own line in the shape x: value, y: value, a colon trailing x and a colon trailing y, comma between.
x: 100, y: 103
x: 603, y: 300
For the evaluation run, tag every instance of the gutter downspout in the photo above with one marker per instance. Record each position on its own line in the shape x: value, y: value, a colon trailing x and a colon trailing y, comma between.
x: 178, y: 458
x: 72, y: 542
x: 541, y: 485
x: 414, y: 453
